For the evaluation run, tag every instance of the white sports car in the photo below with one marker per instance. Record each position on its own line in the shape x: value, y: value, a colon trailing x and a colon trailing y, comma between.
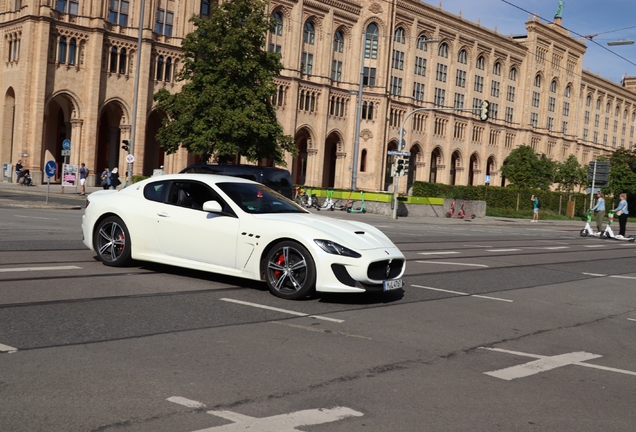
x: 240, y: 228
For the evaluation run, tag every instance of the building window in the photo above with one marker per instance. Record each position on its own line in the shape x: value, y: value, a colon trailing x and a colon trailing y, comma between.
x: 615, y: 126
x: 277, y: 28
x: 496, y: 69
x: 564, y: 129
x: 309, y: 33
x: 164, y: 22
x: 69, y: 7
x: 399, y: 35
x: 441, y: 72
x: 550, y: 124
x: 494, y: 89
x: 368, y: 78
x: 122, y: 61
x: 168, y: 74
x: 481, y: 63
x: 536, y: 99
x: 61, y: 50
x: 113, y: 59
x: 509, y: 114
x: 479, y: 84
x: 72, y: 51
x: 595, y: 137
x: 420, y: 66
x: 588, y: 101
x: 443, y: 50
x: 534, y: 119
x: 462, y: 57
x: 307, y: 63
x: 440, y: 96
x: 337, y: 106
x: 398, y: 60
x: 510, y: 95
x: 205, y: 7
x: 586, y: 117
x: 396, y: 86
x: 421, y: 43
x: 477, y: 104
x: 367, y: 110
x: 494, y: 110
x: 568, y: 91
x: 597, y: 120
x: 586, y: 133
x: 553, y: 87
x: 336, y: 70
x: 512, y: 75
x: 537, y: 81
x: 338, y: 41
x: 159, y: 75
x: 460, y: 80
x: 566, y: 109
x: 118, y: 12
x: 418, y: 91
x: 371, y: 41
x: 276, y: 33
x: 598, y: 104
x: 459, y: 100
x: 14, y: 48
x: 551, y: 104
x: 275, y: 48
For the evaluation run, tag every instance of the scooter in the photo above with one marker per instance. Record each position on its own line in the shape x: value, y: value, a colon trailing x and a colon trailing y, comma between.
x: 361, y: 209
x: 451, y: 212
x: 312, y: 200
x: 462, y: 214
x: 608, y: 233
x: 328, y: 203
x: 588, y: 231
x: 347, y: 205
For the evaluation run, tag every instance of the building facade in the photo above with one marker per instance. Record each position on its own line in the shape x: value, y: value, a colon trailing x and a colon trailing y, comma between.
x: 70, y: 68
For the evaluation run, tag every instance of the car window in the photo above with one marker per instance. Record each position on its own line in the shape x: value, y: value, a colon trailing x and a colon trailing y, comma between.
x: 258, y: 199
x: 192, y: 194
x: 156, y: 191
x: 278, y: 179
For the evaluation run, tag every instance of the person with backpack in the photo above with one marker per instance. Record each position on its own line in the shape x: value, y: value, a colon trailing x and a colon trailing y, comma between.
x: 536, y: 205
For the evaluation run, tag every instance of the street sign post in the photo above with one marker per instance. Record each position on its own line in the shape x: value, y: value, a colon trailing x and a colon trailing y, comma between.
x: 50, y: 169
x: 598, y: 174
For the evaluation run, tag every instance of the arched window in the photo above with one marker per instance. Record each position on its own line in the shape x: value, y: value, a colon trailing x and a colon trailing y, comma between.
x: 481, y: 63
x: 512, y: 75
x: 160, y: 68
x: 537, y: 81
x: 607, y: 108
x: 113, y: 59
x: 553, y: 86
x: 309, y: 33
x: 617, y: 110
x: 399, y: 35
x: 371, y: 41
x: 277, y: 28
x: 338, y: 41
x: 421, y: 43
x: 443, y: 50
x: 588, y: 100
x: 72, y: 51
x: 625, y: 115
x: 122, y: 61
x: 568, y: 91
x: 598, y: 104
x: 61, y: 50
x: 168, y: 74
x: 496, y: 69
x: 462, y: 57
x: 363, y: 161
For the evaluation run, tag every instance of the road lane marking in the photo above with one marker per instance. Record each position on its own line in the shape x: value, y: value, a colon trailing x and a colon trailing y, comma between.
x: 436, y: 253
x: 631, y: 319
x: 318, y: 330
x: 593, y: 246
x: 502, y: 250
x: 185, y: 402
x: 623, y: 277
x: 33, y: 217
x: 612, y: 276
x: 452, y: 263
x: 7, y: 349
x: 595, y: 274
x: 546, y: 363
x: 300, y: 314
x: 462, y: 293
x: 477, y: 246
x: 27, y: 269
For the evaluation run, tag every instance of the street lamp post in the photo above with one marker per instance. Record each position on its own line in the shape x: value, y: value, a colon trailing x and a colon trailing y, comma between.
x: 133, y: 125
x: 356, y: 139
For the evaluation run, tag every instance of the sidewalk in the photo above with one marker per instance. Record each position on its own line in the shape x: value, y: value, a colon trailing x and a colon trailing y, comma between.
x: 55, y: 190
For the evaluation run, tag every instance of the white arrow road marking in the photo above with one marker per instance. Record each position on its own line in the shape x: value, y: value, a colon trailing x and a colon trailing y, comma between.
x: 451, y: 263
x: 27, y: 269
x: 282, y: 310
x: 185, y: 402
x: 546, y: 363
x: 461, y: 293
x: 7, y: 349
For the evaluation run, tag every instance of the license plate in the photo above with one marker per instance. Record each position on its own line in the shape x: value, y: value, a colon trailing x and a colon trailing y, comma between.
x: 393, y: 284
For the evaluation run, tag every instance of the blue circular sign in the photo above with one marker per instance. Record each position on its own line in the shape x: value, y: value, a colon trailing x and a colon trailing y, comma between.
x: 50, y: 168
x: 66, y: 144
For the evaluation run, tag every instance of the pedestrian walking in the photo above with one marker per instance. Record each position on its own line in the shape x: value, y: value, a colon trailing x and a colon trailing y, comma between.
x: 599, y: 208
x: 535, y: 208
x: 105, y: 178
x: 83, y: 172
x: 18, y: 168
x: 114, y: 178
x: 622, y: 212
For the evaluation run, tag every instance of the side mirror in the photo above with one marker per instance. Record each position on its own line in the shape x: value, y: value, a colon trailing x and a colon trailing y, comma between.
x: 212, y: 207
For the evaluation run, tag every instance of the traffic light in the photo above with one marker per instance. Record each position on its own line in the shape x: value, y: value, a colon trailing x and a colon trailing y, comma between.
x: 126, y: 145
x: 400, y: 169
x: 484, y: 111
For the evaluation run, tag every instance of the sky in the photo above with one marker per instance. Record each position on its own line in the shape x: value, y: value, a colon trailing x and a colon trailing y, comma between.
x: 580, y: 17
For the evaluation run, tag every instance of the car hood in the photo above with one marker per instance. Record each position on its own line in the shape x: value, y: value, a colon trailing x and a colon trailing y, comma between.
x: 351, y: 234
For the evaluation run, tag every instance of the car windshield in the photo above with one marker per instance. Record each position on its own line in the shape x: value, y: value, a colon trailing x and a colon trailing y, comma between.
x: 259, y: 199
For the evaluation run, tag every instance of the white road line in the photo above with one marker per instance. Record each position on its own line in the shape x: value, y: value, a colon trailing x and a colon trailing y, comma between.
x: 623, y: 277
x: 34, y: 217
x: 555, y: 247
x: 594, y: 274
x: 461, y: 293
x: 27, y: 269
x: 452, y: 263
x: 7, y: 349
x: 502, y: 250
x: 593, y: 246
x: 437, y: 253
x: 185, y: 402
x: 546, y: 363
x: 631, y: 319
x: 476, y: 246
x: 612, y: 276
x: 282, y: 310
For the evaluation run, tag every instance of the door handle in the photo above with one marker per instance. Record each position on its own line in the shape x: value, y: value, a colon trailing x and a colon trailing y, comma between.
x: 163, y: 214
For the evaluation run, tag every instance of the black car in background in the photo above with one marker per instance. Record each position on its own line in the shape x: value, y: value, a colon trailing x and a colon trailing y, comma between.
x: 278, y: 179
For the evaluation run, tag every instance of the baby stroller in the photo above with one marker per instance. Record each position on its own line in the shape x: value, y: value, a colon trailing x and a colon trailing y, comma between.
x: 25, y: 177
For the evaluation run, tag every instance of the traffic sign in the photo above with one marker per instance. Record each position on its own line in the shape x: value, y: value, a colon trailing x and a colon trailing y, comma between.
x: 487, y: 179
x: 130, y: 159
x: 402, y: 143
x: 66, y: 152
x: 66, y: 145
x: 50, y: 168
x: 401, y: 132
x: 398, y: 153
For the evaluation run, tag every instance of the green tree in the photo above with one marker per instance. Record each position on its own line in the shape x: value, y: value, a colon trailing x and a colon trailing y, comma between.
x: 523, y: 168
x: 622, y: 177
x: 570, y: 174
x: 225, y: 106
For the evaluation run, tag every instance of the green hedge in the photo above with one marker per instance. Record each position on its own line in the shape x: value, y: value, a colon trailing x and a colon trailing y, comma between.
x: 504, y: 197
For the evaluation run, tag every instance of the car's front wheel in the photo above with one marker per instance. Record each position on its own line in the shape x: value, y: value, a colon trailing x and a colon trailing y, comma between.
x: 112, y: 242
x: 290, y: 271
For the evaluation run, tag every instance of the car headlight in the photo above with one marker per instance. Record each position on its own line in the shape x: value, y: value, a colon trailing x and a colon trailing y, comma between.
x: 336, y: 249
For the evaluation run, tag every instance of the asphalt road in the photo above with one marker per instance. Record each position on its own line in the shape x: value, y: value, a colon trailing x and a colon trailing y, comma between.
x: 501, y: 326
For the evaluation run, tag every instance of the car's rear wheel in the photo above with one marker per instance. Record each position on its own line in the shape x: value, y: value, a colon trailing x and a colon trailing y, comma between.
x: 112, y: 242
x: 290, y: 271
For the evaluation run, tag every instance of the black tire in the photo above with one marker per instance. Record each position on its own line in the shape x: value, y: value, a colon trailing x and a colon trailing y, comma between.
x: 112, y: 242
x: 448, y: 214
x: 290, y: 272
x: 364, y: 210
x: 583, y: 232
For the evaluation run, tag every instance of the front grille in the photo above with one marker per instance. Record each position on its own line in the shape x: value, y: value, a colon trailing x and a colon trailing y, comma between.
x: 377, y: 270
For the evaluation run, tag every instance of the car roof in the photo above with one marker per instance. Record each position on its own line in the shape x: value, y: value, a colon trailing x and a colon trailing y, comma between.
x: 204, y: 178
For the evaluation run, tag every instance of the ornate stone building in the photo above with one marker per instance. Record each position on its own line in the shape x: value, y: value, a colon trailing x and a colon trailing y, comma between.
x: 69, y: 72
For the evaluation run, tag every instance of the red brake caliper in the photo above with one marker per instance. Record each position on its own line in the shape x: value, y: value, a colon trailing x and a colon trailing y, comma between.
x: 280, y: 261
